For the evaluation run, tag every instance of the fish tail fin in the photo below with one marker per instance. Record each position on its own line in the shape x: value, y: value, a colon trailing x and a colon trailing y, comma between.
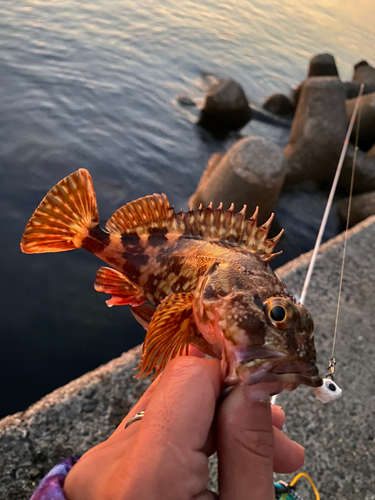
x: 64, y: 217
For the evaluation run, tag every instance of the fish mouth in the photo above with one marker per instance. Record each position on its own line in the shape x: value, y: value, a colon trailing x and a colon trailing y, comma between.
x: 290, y: 370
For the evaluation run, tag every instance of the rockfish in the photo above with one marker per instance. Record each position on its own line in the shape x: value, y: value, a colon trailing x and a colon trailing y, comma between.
x: 205, y: 272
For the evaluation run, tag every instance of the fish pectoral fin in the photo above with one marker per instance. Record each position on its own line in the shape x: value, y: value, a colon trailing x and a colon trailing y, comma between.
x: 150, y: 212
x: 168, y: 335
x: 198, y: 341
x: 143, y: 314
x: 64, y: 217
x: 114, y: 283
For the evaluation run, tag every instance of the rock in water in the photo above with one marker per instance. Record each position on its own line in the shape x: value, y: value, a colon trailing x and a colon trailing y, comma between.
x: 367, y: 122
x: 185, y: 100
x: 318, y: 131
x: 364, y: 180
x: 226, y: 107
x: 364, y: 73
x: 325, y: 65
x: 317, y: 137
x: 322, y: 65
x: 352, y: 89
x: 251, y: 173
x: 363, y: 206
x: 279, y: 104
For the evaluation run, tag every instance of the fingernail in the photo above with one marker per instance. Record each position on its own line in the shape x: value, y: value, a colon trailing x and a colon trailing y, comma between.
x: 300, y: 446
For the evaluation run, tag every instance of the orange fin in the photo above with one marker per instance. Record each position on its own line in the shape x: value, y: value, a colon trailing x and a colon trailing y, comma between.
x: 64, y: 217
x: 141, y: 215
x: 168, y: 335
x: 113, y: 282
x: 143, y: 314
x: 228, y: 227
x: 154, y: 212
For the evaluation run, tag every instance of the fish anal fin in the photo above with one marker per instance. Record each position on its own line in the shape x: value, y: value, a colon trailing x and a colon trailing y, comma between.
x: 114, y: 283
x: 168, y: 335
x: 64, y: 217
x: 143, y: 314
x: 141, y: 215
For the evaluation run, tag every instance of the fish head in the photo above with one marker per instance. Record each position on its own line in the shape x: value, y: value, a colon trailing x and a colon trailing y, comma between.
x: 262, y: 334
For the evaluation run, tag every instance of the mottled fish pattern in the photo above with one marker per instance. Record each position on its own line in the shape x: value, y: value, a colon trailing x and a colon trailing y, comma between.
x: 200, y: 277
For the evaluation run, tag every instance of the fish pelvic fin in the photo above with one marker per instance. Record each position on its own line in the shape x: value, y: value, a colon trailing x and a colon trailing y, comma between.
x: 113, y: 282
x: 168, y: 335
x: 64, y: 217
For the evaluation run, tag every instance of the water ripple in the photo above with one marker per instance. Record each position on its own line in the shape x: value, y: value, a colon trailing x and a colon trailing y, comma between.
x: 93, y: 85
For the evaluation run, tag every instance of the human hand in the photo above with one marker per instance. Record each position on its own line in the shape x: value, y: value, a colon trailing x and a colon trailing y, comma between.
x: 165, y: 455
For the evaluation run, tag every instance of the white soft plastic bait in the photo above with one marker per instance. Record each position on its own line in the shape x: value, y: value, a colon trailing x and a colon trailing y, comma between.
x: 328, y: 391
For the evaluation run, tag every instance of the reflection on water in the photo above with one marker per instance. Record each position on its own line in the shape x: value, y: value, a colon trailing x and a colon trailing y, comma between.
x: 93, y: 85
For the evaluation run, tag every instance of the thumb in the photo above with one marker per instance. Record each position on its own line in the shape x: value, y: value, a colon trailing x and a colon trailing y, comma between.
x: 246, y: 445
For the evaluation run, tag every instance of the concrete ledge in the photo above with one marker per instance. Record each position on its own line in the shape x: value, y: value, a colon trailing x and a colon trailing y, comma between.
x: 339, y: 438
x: 68, y: 421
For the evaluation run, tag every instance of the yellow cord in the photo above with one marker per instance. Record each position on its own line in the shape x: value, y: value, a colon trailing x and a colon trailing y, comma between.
x: 297, y: 478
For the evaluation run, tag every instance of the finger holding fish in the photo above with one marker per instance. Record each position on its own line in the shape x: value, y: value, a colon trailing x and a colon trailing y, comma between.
x: 180, y: 429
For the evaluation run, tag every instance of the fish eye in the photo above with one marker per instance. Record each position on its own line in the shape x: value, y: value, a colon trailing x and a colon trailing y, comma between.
x: 277, y: 313
x: 280, y: 312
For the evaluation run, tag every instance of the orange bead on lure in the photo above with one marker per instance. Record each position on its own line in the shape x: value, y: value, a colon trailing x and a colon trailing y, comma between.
x: 205, y: 272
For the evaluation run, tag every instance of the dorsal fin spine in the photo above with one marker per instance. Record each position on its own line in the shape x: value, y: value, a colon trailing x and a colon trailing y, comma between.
x: 240, y: 226
x: 154, y: 212
x: 266, y: 228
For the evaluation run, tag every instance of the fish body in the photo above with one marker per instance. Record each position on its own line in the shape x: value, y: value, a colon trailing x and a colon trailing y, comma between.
x: 205, y: 272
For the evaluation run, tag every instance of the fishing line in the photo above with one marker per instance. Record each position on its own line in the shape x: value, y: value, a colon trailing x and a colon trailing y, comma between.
x: 331, y: 195
x: 332, y: 361
x: 330, y: 390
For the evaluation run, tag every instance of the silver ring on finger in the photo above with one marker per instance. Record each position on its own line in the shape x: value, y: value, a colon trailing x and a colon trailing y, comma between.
x: 137, y: 416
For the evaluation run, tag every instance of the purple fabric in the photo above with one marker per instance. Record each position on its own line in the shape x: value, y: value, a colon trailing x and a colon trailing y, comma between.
x: 51, y: 487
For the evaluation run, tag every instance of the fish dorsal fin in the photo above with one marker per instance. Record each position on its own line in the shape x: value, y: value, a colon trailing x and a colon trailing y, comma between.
x: 154, y: 212
x: 114, y: 283
x: 226, y: 226
x: 168, y: 334
x: 143, y: 314
x: 141, y: 215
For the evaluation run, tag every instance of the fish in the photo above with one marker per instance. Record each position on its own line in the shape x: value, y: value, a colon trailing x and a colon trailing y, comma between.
x: 200, y: 278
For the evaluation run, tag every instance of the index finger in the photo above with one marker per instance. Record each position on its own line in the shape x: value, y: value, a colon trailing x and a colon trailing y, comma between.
x: 183, y: 405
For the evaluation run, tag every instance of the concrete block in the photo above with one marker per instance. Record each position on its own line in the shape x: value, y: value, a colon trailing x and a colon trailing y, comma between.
x: 322, y: 65
x: 251, y: 173
x: 318, y: 131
